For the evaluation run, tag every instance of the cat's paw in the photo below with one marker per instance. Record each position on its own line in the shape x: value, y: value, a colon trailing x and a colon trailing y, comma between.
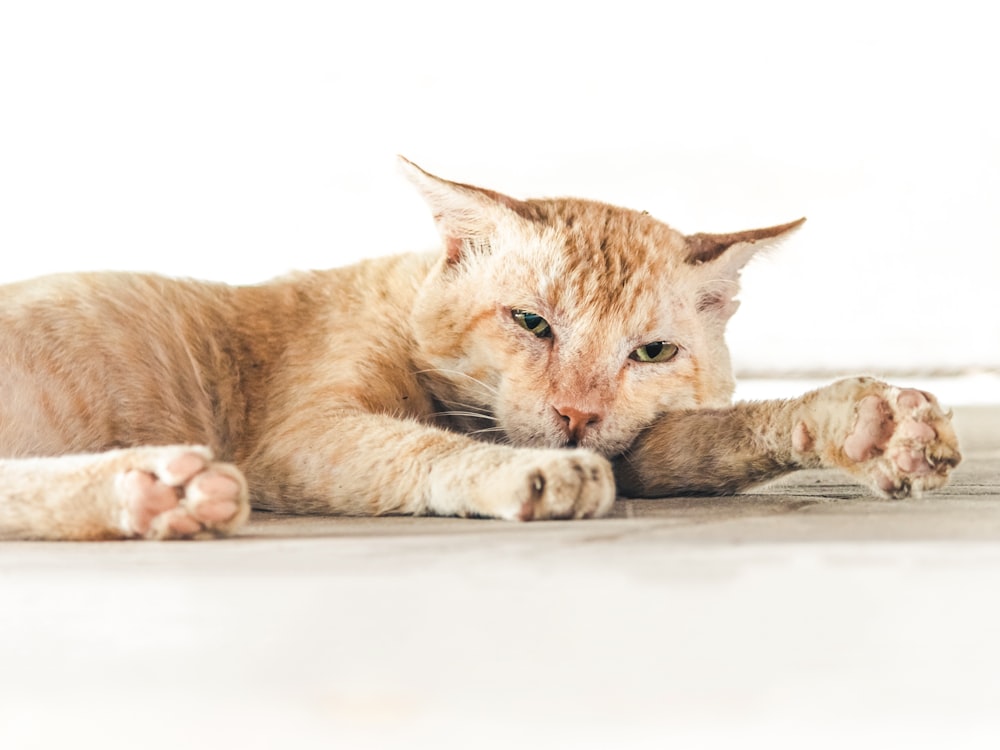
x: 527, y: 484
x: 898, y: 440
x: 561, y: 484
x: 178, y: 492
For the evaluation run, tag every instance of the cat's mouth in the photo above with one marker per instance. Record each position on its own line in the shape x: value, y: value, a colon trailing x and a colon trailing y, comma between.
x: 606, y: 448
x: 594, y: 441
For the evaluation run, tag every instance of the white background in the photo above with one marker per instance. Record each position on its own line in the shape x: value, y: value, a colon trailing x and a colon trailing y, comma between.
x: 238, y: 140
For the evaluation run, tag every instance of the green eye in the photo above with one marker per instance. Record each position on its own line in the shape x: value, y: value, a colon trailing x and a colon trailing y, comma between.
x: 656, y: 351
x: 529, y: 321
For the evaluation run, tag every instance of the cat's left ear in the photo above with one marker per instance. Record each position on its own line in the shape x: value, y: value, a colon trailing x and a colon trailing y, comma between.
x: 465, y: 215
x: 724, y: 256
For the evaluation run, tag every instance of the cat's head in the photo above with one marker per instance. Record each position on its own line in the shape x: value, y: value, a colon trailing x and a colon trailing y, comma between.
x: 571, y: 322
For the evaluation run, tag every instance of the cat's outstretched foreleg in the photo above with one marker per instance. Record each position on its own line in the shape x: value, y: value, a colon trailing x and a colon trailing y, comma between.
x: 897, y: 441
x: 376, y: 464
x: 171, y: 492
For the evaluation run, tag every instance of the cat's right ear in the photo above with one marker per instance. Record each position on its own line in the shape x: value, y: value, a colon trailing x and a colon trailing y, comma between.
x: 723, y: 257
x: 735, y: 248
x: 466, y: 216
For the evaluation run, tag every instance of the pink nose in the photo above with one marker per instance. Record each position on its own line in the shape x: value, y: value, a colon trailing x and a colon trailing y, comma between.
x: 576, y: 421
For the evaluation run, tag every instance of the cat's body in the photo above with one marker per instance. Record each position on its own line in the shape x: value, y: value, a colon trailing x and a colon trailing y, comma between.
x: 496, y: 378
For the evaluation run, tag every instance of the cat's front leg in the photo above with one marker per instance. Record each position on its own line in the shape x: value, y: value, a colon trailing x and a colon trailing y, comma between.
x: 371, y: 464
x: 898, y: 441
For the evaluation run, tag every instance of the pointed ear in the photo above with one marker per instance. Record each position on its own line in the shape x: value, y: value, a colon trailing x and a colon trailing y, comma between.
x: 723, y: 256
x: 465, y: 215
x: 704, y: 248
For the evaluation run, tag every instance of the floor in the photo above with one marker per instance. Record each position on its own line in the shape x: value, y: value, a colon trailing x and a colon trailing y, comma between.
x: 804, y: 615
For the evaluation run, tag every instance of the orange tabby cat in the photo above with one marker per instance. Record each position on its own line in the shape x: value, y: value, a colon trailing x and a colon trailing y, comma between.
x: 552, y: 348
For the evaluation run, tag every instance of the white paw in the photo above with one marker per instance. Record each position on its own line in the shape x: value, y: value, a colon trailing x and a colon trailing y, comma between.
x: 178, y: 492
x: 548, y: 484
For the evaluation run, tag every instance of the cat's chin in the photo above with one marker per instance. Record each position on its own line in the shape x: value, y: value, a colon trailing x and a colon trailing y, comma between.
x: 606, y: 448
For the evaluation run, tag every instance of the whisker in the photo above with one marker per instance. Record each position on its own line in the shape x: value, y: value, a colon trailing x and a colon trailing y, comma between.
x: 477, y: 381
x: 473, y: 414
x: 464, y: 405
x: 485, y: 430
x: 461, y: 408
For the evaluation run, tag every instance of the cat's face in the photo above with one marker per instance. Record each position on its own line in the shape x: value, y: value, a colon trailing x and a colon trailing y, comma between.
x: 570, y: 322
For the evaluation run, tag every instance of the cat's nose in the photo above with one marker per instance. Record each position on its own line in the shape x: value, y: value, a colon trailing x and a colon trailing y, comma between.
x: 576, y: 421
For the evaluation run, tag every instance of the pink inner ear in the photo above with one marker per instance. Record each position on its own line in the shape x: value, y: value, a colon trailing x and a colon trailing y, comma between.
x: 717, y: 303
x: 453, y: 246
x: 711, y: 301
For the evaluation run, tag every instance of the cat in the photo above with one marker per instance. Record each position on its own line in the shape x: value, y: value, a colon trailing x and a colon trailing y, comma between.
x: 553, y: 354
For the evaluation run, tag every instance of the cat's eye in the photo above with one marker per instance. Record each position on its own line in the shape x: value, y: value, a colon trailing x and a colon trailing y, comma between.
x: 529, y: 321
x: 655, y: 351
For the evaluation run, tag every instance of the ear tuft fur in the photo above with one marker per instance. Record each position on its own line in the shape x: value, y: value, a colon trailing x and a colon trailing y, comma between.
x: 465, y: 215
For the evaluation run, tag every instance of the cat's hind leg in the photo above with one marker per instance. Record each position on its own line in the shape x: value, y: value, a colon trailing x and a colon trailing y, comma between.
x: 171, y: 492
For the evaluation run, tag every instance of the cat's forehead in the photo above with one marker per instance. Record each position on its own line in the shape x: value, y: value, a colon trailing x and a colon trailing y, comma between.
x: 590, y: 224
x: 619, y: 241
x: 596, y: 250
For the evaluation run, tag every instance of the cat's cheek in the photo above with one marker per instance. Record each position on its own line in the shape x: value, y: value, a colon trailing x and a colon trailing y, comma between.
x: 680, y: 387
x: 527, y: 434
x: 529, y: 422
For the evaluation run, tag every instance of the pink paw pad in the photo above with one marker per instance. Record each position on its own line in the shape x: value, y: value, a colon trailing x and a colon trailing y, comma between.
x: 181, y: 494
x: 913, y: 436
x: 872, y: 431
x: 911, y: 461
x: 145, y: 498
x: 898, y: 440
x: 180, y: 469
x: 916, y: 447
x: 214, y: 496
x: 911, y: 399
x: 180, y: 523
x: 802, y: 440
